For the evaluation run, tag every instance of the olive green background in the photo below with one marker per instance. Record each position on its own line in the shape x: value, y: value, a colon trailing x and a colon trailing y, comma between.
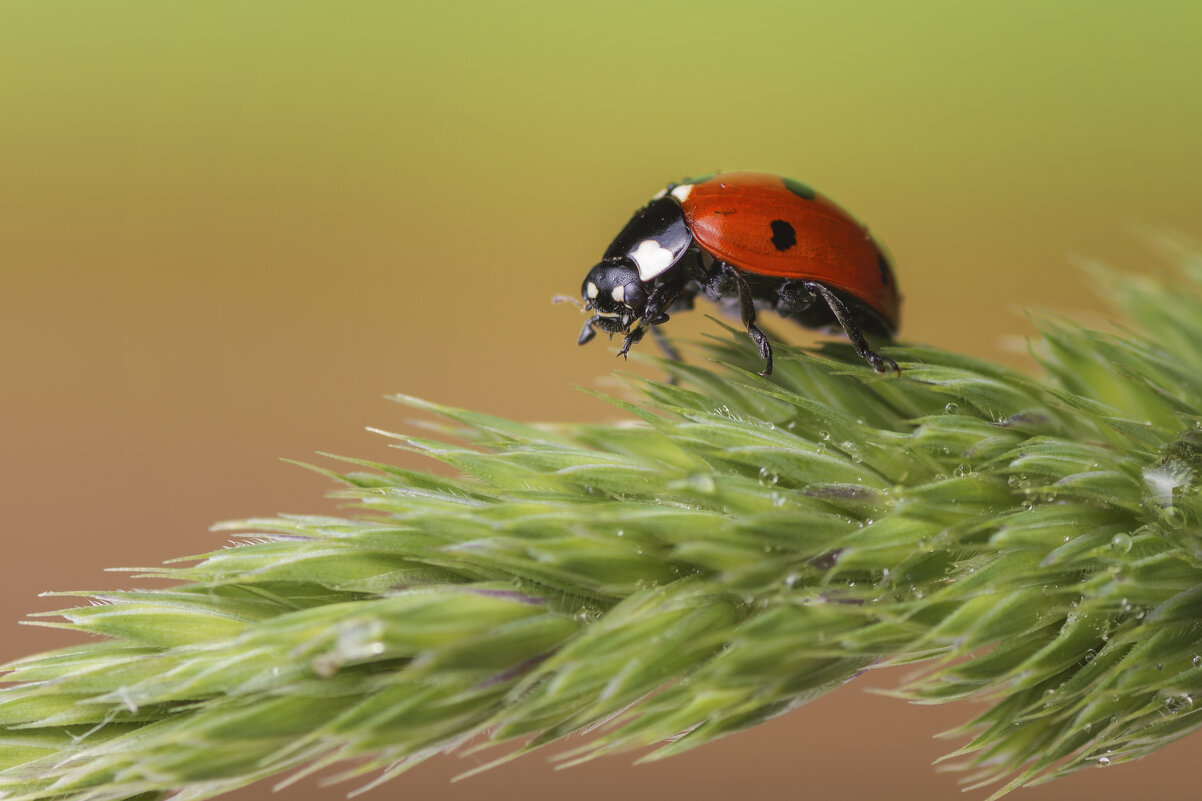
x: 228, y: 229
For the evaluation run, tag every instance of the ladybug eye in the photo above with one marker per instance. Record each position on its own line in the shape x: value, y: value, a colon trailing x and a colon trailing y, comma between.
x: 631, y: 295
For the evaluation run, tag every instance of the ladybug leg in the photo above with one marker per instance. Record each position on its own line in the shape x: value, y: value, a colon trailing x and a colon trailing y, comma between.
x: 794, y: 297
x: 747, y: 314
x: 631, y: 338
x: 718, y: 285
x: 667, y: 296
x: 662, y: 297
x: 879, y: 363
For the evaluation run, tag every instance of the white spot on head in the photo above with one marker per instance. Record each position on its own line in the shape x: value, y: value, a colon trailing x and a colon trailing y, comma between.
x: 618, y: 293
x: 651, y: 259
x: 660, y: 194
x: 681, y: 193
x: 591, y: 290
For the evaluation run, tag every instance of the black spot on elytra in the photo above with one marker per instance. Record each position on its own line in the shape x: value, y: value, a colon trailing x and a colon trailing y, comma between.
x: 886, y: 273
x: 783, y: 235
x: 799, y: 189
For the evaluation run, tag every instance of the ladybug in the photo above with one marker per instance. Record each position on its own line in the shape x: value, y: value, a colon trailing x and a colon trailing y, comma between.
x: 746, y: 240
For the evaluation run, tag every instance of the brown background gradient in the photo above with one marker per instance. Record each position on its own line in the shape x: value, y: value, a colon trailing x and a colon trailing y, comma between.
x: 228, y: 229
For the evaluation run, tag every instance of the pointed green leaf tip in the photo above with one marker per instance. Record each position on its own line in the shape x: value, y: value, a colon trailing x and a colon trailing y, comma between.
x: 736, y: 548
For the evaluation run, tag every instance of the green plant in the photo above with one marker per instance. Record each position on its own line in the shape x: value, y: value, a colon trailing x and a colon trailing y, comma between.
x: 735, y: 548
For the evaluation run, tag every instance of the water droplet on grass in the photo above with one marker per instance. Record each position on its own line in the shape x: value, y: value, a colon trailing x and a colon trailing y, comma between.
x: 1178, y: 702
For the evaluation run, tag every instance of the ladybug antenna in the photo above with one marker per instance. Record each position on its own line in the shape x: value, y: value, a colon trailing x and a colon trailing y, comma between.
x: 569, y: 299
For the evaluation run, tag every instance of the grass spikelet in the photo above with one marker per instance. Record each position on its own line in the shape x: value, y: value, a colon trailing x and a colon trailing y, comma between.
x: 736, y: 548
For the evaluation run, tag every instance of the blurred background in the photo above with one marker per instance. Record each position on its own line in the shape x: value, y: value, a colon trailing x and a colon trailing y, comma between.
x: 229, y: 229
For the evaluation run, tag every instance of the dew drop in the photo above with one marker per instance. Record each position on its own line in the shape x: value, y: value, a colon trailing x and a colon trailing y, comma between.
x: 1172, y: 516
x: 1178, y: 702
x: 768, y: 478
x: 1018, y: 481
x: 1103, y: 761
x: 952, y: 407
x: 852, y: 450
x: 1121, y: 543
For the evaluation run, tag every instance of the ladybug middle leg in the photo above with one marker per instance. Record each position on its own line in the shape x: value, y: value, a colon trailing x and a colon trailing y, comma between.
x: 746, y: 311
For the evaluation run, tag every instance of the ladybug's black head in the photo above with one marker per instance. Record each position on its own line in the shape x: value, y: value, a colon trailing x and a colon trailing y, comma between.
x: 613, y: 289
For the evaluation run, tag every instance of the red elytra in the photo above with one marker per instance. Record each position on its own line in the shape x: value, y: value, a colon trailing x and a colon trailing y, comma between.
x: 732, y: 216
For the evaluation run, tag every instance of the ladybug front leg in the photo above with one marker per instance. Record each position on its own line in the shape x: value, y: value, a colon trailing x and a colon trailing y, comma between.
x: 672, y: 295
x: 879, y: 363
x: 747, y: 314
x: 631, y: 338
x: 661, y: 298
